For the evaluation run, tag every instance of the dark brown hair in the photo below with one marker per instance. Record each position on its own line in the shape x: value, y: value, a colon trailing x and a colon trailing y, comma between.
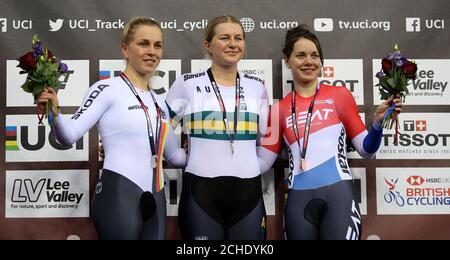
x: 296, y: 33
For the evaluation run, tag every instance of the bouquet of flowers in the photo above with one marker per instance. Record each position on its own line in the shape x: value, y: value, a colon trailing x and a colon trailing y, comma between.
x: 43, y: 69
x: 396, y: 71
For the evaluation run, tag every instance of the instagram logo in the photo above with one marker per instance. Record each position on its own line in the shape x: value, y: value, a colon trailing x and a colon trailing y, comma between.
x: 3, y: 27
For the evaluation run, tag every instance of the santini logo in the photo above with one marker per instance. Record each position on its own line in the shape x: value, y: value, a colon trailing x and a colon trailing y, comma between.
x: 56, y: 25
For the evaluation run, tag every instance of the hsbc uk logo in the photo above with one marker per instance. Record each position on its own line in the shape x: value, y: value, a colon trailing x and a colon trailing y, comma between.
x: 415, y: 180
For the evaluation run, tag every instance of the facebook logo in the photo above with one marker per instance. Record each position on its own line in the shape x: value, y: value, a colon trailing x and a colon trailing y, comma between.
x: 412, y: 24
x: 3, y: 27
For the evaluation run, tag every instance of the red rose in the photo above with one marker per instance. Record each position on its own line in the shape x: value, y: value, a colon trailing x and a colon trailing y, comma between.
x: 50, y: 56
x: 27, y: 62
x: 410, y: 69
x: 386, y: 65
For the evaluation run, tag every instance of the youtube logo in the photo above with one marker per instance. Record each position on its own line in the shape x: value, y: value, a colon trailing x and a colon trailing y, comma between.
x: 323, y: 24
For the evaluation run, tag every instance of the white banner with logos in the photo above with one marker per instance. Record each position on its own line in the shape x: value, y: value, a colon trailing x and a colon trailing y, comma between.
x: 47, y: 194
x: 413, y: 191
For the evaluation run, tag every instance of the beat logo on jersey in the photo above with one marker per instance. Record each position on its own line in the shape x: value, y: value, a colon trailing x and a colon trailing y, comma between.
x: 47, y: 193
x: 27, y: 141
x: 422, y: 136
x: 413, y: 191
x: 71, y: 92
x: 317, y: 117
x: 165, y: 74
x: 335, y: 72
x: 261, y: 69
x: 431, y: 87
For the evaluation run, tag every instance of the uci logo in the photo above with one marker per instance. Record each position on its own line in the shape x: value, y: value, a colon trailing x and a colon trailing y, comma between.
x: 24, y: 139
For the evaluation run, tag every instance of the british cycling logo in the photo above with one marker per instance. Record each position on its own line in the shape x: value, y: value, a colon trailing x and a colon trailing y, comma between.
x: 392, y: 195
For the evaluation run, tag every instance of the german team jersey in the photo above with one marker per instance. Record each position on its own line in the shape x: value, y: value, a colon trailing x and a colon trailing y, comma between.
x: 334, y: 118
x: 111, y: 105
x: 192, y: 99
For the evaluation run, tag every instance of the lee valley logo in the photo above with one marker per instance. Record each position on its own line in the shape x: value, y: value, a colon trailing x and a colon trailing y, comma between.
x: 429, y: 88
x: 47, y: 193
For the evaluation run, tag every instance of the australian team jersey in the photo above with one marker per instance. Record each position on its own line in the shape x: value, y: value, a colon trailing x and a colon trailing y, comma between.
x: 123, y: 128
x: 192, y: 99
x: 334, y: 118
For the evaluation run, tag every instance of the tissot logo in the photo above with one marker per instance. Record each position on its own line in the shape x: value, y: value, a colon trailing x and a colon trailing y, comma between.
x: 328, y: 72
x: 415, y: 180
x: 415, y: 125
x: 336, y: 72
x: 422, y: 136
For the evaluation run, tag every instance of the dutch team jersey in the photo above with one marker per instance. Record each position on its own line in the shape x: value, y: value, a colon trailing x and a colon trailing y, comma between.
x: 122, y: 125
x: 334, y: 118
x: 192, y: 99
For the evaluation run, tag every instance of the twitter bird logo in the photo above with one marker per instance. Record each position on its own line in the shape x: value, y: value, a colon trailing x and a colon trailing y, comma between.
x: 55, y: 26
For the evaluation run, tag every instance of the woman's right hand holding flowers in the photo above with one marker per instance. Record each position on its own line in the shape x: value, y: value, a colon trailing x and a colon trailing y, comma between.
x: 48, y: 95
